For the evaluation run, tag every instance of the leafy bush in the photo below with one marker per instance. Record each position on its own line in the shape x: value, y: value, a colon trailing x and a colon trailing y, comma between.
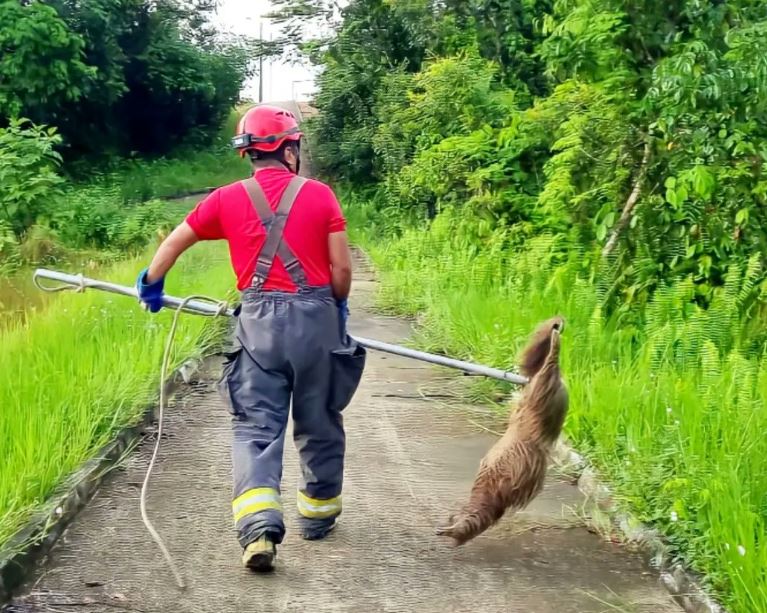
x: 28, y: 178
x: 98, y: 217
x: 42, y: 215
x: 42, y: 60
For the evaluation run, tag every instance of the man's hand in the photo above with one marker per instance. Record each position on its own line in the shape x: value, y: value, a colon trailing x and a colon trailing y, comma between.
x: 150, y: 294
x: 343, y: 310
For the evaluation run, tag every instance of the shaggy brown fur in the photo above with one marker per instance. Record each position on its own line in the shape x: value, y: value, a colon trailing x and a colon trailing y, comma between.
x: 512, y: 473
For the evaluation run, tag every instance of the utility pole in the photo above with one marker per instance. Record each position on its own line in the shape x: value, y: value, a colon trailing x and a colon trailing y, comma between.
x: 261, y: 63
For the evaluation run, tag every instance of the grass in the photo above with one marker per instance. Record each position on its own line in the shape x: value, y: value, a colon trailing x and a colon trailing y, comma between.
x: 121, y: 205
x: 669, y: 406
x: 119, y: 208
x: 84, y: 367
x: 76, y: 371
x: 188, y: 169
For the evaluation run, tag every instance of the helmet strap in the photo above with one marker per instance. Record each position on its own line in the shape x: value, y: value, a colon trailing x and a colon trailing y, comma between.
x: 298, y: 157
x: 278, y: 162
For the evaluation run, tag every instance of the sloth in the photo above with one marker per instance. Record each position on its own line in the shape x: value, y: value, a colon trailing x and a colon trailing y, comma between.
x: 513, y: 471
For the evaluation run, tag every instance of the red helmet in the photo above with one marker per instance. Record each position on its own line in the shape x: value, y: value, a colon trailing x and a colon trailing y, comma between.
x: 265, y: 128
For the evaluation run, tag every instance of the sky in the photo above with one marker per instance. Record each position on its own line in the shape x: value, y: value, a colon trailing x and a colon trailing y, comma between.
x: 282, y: 81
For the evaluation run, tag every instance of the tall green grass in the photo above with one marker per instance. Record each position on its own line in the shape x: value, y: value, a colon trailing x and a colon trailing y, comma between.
x: 73, y: 373
x: 84, y: 367
x: 670, y: 405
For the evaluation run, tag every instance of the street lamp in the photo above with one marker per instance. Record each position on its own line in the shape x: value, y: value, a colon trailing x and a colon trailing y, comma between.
x: 293, y: 86
x: 261, y: 61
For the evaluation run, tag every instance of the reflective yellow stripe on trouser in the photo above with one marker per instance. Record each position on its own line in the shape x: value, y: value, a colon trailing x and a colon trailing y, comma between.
x: 314, y: 508
x: 254, y: 501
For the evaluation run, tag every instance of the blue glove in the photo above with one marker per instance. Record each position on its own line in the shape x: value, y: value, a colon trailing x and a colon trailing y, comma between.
x: 150, y: 295
x: 343, y: 309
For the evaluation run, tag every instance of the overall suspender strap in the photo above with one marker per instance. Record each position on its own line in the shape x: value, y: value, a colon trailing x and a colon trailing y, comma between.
x: 274, y: 223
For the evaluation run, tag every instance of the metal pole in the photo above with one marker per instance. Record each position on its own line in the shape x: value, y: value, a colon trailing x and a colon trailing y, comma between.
x: 198, y: 307
x: 261, y: 63
x: 270, y: 65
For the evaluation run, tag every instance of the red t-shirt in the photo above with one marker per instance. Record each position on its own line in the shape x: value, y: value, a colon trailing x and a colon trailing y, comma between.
x: 227, y: 213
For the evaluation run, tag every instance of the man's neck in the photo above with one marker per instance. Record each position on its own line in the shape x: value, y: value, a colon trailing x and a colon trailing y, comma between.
x: 260, y: 164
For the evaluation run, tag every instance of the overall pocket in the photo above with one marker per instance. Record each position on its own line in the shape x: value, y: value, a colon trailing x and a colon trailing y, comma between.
x: 348, y: 364
x: 231, y: 359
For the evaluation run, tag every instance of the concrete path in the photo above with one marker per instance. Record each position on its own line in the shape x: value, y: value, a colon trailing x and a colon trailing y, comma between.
x: 411, y: 458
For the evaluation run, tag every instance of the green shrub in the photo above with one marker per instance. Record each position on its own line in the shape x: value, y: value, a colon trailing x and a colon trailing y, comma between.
x: 28, y: 179
x: 10, y: 258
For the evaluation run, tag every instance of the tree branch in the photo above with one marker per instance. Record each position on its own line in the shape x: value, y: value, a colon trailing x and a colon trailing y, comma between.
x: 628, y: 208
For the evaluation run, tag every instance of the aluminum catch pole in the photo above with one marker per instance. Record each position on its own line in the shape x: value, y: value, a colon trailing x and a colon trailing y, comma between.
x: 81, y: 283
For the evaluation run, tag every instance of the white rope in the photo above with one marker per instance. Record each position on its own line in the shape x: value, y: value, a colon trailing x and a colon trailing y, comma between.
x: 222, y: 308
x: 79, y: 288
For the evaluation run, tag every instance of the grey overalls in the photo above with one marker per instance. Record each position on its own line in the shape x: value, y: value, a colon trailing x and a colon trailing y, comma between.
x: 287, y: 344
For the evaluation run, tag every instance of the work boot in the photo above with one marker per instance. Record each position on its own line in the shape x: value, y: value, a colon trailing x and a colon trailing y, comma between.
x: 259, y: 555
x: 314, y: 530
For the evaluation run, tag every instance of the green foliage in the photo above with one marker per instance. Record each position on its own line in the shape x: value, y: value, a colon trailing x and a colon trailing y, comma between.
x: 651, y: 107
x: 28, y: 178
x: 508, y: 33
x: 10, y: 257
x: 115, y: 80
x: 450, y: 97
x: 116, y: 209
x: 98, y: 217
x: 353, y: 75
x: 41, y: 64
x: 118, y: 76
x: 668, y: 404
x: 601, y: 157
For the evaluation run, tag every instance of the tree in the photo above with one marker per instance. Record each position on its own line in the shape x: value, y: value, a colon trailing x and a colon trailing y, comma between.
x: 118, y: 76
x: 41, y: 61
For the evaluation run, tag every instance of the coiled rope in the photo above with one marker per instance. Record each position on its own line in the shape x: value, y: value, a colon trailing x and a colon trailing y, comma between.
x: 221, y: 309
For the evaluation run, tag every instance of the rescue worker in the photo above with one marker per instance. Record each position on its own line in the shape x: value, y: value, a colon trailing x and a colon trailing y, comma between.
x: 289, y: 250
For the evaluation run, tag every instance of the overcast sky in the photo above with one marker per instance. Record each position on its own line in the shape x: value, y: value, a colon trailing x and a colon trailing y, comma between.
x: 282, y: 81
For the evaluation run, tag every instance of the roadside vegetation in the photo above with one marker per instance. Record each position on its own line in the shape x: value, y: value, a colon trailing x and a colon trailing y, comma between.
x: 506, y: 161
x: 85, y: 367
x: 107, y: 108
x: 113, y: 212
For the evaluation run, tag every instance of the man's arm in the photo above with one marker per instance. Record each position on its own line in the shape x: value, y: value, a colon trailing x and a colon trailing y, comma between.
x: 168, y: 252
x: 340, y: 264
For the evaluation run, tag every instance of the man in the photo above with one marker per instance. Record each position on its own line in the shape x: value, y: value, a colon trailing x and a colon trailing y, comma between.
x: 289, y: 250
